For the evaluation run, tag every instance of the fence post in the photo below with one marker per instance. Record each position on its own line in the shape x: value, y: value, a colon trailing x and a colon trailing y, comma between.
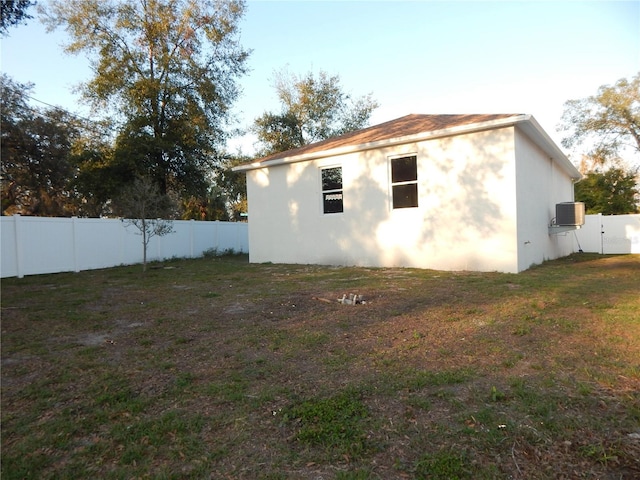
x: 601, y: 233
x: 216, y: 243
x: 74, y: 244
x: 17, y: 230
x: 191, y: 237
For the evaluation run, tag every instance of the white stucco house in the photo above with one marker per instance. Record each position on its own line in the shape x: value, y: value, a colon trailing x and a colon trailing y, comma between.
x: 446, y: 192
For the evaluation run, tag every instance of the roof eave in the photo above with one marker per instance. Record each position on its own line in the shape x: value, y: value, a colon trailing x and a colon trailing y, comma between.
x: 532, y: 129
x: 526, y: 122
x: 445, y: 132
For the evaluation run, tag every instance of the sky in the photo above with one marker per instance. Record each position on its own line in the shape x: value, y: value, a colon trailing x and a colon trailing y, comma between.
x: 427, y: 57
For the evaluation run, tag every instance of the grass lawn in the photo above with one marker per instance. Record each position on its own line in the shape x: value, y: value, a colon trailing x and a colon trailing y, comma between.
x: 217, y: 368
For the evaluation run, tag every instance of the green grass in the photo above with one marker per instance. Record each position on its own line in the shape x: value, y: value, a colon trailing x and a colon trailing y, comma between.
x: 337, y: 424
x: 444, y: 465
x: 217, y: 368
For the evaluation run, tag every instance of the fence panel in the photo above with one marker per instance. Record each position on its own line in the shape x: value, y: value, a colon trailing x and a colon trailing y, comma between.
x: 610, y: 234
x: 34, y: 245
x: 9, y: 249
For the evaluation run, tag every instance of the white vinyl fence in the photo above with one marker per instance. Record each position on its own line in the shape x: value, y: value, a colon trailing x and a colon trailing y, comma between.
x: 35, y: 245
x: 609, y: 234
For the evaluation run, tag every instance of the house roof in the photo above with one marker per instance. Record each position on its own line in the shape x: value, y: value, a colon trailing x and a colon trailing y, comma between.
x: 414, y: 127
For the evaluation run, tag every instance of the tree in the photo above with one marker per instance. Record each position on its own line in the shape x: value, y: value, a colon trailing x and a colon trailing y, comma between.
x: 226, y: 199
x: 313, y: 109
x: 610, y: 192
x: 37, y: 159
x: 609, y: 121
x: 168, y: 68
x: 233, y: 185
x: 98, y: 179
x: 144, y: 207
x: 13, y: 12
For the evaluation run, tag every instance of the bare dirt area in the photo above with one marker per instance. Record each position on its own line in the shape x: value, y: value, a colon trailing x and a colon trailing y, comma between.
x: 217, y: 368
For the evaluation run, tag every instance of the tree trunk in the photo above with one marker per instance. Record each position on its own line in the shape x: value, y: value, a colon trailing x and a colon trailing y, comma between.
x: 144, y: 245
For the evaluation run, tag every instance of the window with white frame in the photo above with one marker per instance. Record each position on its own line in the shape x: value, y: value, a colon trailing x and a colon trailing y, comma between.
x: 404, y: 182
x: 332, y: 190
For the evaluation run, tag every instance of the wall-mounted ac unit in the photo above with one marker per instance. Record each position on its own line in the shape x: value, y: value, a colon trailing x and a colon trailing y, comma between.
x: 569, y: 214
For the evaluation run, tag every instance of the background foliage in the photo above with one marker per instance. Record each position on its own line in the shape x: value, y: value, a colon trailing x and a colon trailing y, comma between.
x: 13, y: 12
x: 611, y: 192
x: 607, y: 127
x: 312, y: 109
x: 165, y: 75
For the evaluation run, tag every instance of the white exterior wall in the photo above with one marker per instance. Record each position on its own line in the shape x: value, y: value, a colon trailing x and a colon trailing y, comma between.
x: 466, y: 219
x: 541, y: 184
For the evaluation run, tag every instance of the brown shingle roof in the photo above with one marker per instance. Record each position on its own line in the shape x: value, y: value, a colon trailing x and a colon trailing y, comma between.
x: 400, y: 127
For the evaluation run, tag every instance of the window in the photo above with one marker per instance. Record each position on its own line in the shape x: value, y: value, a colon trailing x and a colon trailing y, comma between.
x: 404, y: 182
x: 332, y: 190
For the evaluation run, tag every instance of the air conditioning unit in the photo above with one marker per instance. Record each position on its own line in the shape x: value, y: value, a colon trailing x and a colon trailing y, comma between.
x: 570, y: 214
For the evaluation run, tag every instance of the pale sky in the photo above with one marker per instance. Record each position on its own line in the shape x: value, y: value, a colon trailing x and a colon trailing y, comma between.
x: 413, y: 57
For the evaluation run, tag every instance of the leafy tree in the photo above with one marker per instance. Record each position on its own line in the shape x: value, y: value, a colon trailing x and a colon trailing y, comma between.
x: 147, y: 209
x: 168, y: 68
x: 98, y: 179
x: 313, y: 109
x: 610, y: 192
x: 226, y: 199
x: 13, y: 12
x: 37, y: 161
x: 233, y: 185
x: 211, y: 207
x: 609, y: 121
